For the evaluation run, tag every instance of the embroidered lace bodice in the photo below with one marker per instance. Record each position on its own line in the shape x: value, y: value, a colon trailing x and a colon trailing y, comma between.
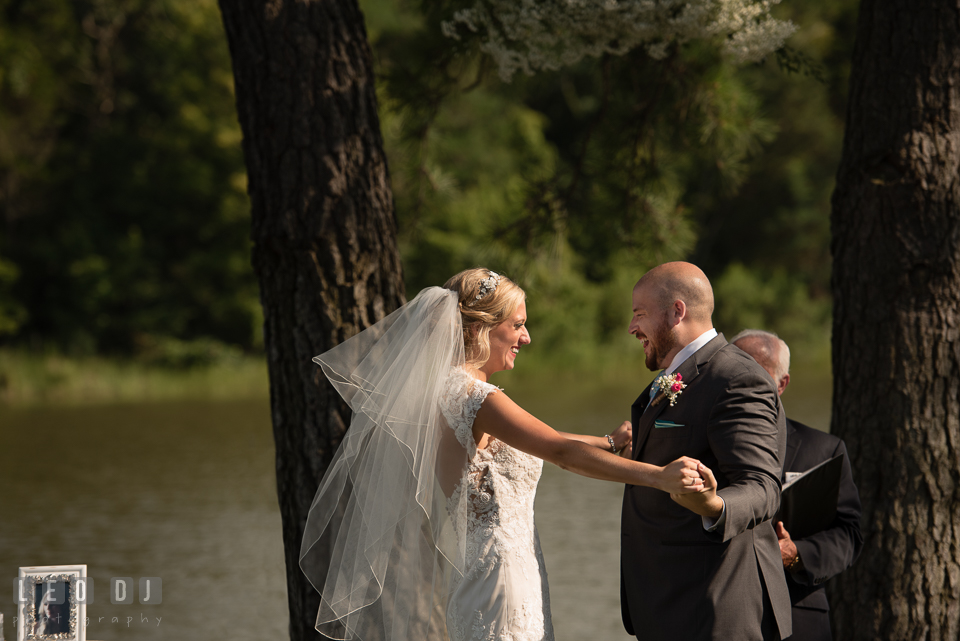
x: 503, y: 594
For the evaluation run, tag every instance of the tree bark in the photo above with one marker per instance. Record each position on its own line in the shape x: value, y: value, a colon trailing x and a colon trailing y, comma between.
x: 323, y: 228
x: 896, y: 329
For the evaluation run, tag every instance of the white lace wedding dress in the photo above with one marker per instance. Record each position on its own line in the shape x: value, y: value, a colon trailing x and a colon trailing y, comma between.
x: 503, y: 595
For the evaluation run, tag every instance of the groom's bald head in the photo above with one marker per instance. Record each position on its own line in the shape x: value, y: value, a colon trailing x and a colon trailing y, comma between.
x: 675, y: 281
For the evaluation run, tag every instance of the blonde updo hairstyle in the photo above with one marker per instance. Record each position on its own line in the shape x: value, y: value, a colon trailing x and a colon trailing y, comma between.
x: 480, y: 317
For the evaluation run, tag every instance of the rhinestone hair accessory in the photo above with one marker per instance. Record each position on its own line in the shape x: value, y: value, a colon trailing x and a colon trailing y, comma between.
x: 487, y: 285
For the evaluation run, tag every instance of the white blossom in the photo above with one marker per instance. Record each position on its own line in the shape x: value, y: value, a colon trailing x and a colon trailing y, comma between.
x: 532, y: 35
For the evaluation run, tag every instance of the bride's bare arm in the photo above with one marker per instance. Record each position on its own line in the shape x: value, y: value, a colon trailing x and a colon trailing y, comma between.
x: 592, y: 441
x: 621, y: 438
x: 500, y: 417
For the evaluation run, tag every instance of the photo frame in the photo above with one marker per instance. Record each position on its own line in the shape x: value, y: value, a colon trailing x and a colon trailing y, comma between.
x: 52, y: 603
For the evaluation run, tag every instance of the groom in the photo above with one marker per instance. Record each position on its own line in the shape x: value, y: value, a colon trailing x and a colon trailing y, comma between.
x: 702, y: 566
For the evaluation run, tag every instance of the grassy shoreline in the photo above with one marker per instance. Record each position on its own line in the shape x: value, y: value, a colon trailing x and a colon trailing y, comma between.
x: 29, y: 379
x: 33, y: 379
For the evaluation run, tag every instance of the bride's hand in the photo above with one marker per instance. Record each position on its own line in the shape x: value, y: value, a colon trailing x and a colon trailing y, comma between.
x: 682, y: 476
x: 623, y: 437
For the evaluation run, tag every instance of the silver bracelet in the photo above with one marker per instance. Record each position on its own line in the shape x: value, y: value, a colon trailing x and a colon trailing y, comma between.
x: 613, y: 446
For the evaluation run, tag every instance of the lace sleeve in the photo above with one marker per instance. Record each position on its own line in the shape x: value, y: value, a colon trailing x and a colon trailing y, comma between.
x: 460, y: 402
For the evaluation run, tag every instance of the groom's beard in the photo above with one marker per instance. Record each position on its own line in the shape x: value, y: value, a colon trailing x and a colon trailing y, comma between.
x: 663, y: 341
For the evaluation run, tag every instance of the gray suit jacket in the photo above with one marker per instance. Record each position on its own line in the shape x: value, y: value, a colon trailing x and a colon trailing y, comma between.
x: 679, y: 581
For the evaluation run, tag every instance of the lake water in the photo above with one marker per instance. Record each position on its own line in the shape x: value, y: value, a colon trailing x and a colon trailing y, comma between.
x: 186, y: 492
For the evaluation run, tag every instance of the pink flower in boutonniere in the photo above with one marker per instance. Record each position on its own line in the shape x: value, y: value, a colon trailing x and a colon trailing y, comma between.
x: 671, y: 386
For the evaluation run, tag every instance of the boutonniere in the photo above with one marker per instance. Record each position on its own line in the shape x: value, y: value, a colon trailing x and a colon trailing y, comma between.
x: 671, y: 386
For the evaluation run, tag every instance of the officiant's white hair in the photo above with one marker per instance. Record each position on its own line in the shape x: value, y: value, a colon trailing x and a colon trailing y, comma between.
x: 768, y: 347
x: 481, y: 313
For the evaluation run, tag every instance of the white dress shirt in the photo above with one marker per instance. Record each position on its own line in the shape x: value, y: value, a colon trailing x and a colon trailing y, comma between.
x: 690, y: 350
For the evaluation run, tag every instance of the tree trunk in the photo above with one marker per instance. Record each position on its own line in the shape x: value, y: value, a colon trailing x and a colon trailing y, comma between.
x: 896, y: 329
x: 324, y: 228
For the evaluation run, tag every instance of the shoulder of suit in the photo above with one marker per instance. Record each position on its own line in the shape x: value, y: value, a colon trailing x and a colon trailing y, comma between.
x: 736, y: 362
x: 814, y: 435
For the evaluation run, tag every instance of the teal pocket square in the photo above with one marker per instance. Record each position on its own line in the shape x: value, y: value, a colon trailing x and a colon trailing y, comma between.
x: 665, y: 424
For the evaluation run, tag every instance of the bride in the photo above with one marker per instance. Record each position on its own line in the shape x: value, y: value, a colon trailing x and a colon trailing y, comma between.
x: 423, y: 525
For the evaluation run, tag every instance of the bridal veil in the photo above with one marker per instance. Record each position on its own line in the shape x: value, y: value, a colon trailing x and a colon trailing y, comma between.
x: 379, y: 543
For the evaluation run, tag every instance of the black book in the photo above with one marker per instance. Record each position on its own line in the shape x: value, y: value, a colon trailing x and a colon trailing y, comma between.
x: 808, y: 503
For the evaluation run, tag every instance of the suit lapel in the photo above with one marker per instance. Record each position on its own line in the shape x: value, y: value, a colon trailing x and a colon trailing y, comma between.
x: 688, y: 370
x: 636, y: 413
x: 793, y: 446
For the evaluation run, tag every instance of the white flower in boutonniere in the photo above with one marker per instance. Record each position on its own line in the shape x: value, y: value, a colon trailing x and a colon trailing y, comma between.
x: 671, y: 386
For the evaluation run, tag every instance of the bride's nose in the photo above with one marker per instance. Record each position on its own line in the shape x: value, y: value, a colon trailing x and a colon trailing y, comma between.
x: 525, y: 337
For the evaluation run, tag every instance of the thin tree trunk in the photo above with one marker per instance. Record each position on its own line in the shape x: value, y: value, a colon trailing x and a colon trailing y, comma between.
x: 896, y: 331
x: 324, y: 228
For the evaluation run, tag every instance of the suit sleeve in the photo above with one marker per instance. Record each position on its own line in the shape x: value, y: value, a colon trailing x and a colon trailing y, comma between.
x: 747, y: 434
x: 831, y: 551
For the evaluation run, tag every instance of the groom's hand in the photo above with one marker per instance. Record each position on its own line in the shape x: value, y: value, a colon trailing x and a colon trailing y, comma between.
x: 705, y: 502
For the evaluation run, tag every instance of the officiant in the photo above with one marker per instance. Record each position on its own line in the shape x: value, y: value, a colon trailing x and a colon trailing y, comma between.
x: 809, y: 562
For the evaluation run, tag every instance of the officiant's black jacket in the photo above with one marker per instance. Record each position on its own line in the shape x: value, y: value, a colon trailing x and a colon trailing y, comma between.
x: 831, y: 551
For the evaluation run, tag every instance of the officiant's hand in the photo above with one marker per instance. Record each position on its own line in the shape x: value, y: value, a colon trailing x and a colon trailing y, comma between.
x: 680, y: 477
x: 705, y: 501
x: 788, y: 550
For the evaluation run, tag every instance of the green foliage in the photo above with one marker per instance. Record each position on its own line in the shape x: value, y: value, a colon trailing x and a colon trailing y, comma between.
x: 125, y: 218
x: 12, y: 313
x: 129, y: 222
x: 769, y: 241
x: 574, y: 182
x: 748, y: 299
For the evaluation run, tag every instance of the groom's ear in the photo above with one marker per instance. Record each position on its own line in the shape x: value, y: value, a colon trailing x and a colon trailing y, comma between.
x: 678, y: 311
